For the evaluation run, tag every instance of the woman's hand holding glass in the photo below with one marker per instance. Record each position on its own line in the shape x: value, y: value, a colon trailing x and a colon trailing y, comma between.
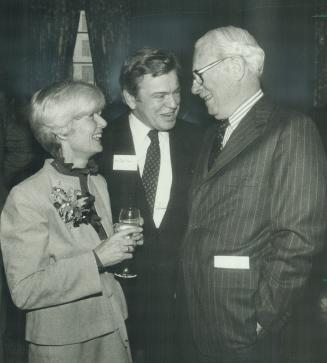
x: 128, y: 216
x: 120, y: 246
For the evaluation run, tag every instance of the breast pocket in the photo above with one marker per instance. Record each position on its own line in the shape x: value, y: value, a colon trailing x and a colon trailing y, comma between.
x: 248, y: 180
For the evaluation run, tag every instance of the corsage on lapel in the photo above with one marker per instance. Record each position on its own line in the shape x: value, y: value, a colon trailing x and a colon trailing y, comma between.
x: 73, y: 207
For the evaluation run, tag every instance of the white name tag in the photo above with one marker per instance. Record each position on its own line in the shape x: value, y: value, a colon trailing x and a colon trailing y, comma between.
x: 125, y: 162
x: 236, y: 262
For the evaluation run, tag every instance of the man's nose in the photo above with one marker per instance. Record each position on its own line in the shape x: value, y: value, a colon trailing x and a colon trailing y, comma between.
x: 100, y: 121
x: 195, y: 87
x: 172, y: 101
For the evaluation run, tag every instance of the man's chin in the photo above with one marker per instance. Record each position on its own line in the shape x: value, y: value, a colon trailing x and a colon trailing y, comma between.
x: 213, y: 112
x: 168, y: 125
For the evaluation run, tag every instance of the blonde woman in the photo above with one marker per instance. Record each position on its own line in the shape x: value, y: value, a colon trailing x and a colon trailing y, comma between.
x: 57, y: 237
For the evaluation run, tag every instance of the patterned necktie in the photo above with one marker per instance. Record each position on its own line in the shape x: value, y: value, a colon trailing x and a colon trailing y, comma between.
x: 218, y: 141
x: 151, y: 169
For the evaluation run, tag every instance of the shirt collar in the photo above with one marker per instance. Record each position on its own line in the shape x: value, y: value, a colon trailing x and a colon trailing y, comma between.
x: 243, y: 109
x: 140, y: 130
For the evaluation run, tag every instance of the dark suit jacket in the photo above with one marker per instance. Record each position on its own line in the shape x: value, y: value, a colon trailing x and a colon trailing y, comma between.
x: 150, y: 297
x: 265, y: 198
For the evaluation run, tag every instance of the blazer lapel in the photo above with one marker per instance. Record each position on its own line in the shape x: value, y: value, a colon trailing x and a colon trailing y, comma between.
x: 175, y: 157
x: 123, y: 138
x: 133, y: 180
x: 178, y: 149
x: 128, y: 183
x: 249, y: 129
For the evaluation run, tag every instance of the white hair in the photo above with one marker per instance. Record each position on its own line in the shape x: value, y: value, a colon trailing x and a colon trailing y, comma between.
x: 233, y: 41
x: 54, y: 107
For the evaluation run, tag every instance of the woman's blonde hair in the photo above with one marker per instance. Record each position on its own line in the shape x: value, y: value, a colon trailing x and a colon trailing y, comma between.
x: 54, y: 107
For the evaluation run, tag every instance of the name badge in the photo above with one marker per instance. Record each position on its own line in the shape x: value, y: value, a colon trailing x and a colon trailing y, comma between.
x: 125, y: 162
x: 235, y: 262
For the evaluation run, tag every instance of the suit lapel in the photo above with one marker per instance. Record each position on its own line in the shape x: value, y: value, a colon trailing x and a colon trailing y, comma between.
x: 128, y: 183
x: 249, y: 129
x: 174, y: 154
x: 123, y: 138
x: 132, y: 180
x: 177, y: 156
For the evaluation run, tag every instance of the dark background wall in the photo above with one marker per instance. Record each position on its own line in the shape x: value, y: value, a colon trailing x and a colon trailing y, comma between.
x: 284, y: 28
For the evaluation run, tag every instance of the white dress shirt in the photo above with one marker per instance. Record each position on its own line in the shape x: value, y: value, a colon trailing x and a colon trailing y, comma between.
x: 141, y: 143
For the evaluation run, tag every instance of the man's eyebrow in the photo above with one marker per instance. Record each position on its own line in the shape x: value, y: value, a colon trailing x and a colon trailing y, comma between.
x: 166, y: 92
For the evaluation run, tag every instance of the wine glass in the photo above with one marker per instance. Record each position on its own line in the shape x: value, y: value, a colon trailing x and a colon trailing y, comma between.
x: 128, y: 217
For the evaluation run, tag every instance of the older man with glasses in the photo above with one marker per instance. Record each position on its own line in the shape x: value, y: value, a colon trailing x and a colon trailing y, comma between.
x: 258, y: 207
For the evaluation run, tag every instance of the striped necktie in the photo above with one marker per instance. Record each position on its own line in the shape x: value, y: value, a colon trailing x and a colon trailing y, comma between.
x: 218, y: 141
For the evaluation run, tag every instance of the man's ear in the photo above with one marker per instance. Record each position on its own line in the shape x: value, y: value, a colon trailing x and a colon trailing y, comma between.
x: 129, y: 99
x: 237, y: 68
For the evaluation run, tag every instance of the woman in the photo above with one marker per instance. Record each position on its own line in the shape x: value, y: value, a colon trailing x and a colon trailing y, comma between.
x: 57, y: 237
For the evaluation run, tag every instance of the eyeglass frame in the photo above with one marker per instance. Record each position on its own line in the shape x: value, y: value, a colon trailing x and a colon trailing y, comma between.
x: 197, y: 73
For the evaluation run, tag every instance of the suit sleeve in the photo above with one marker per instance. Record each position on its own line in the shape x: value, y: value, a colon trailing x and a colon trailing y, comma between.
x: 298, y: 219
x: 34, y: 278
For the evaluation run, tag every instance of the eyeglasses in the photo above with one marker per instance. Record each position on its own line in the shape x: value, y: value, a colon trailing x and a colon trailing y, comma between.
x: 197, y: 73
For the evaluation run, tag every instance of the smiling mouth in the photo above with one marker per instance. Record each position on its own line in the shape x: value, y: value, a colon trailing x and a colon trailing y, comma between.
x: 206, y: 98
x: 169, y: 115
x: 97, y: 136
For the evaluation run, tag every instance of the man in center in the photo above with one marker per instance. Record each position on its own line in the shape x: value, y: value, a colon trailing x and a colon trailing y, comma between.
x: 148, y: 157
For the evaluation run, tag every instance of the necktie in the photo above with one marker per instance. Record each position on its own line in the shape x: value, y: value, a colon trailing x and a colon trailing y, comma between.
x: 151, y: 169
x: 218, y: 141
